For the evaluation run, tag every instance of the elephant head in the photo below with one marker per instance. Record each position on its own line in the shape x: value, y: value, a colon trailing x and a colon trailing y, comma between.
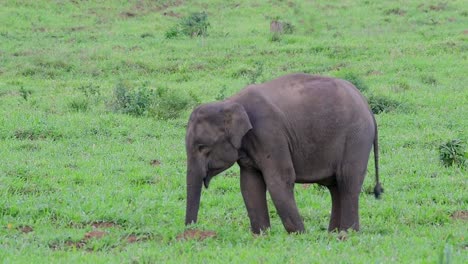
x: 213, y: 139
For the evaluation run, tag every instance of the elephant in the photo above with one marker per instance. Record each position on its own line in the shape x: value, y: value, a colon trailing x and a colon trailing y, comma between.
x: 298, y: 128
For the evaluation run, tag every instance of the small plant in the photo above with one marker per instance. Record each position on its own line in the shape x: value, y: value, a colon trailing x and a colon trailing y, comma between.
x: 194, y: 25
x: 172, y: 33
x: 288, y: 28
x: 222, y: 93
x: 379, y: 104
x: 25, y: 93
x: 453, y: 152
x: 275, y: 37
x: 79, y: 104
x: 254, y: 74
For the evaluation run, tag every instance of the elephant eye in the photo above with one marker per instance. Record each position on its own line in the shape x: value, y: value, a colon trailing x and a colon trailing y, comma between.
x: 202, y: 148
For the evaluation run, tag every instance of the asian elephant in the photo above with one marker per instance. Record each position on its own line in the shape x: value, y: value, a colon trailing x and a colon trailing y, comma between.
x: 298, y: 128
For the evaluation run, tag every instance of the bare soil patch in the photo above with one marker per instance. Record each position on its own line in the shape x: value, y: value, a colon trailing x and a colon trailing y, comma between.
x: 134, y: 238
x: 460, y: 215
x: 155, y: 162
x: 196, y: 234
x: 81, y: 244
x: 172, y: 14
x: 103, y: 224
x: 94, y: 234
x: 128, y: 14
x: 25, y: 229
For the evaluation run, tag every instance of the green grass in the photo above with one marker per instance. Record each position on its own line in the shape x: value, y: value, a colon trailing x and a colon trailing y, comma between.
x: 68, y: 160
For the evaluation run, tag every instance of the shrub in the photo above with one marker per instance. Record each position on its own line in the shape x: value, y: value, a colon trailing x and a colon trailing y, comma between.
x: 379, y: 104
x: 288, y: 28
x: 160, y: 103
x: 196, y: 24
x: 453, y: 152
x: 133, y: 102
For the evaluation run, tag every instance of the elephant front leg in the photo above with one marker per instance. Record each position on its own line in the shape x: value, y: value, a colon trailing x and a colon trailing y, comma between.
x: 280, y: 183
x: 282, y: 195
x: 254, y: 193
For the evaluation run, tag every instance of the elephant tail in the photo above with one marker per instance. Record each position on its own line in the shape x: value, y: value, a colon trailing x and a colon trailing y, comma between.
x: 378, y: 190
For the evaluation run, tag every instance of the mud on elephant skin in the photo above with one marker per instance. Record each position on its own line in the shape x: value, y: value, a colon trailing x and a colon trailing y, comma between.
x: 298, y: 128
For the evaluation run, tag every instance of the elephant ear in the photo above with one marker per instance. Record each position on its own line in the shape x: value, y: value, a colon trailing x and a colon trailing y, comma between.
x: 236, y: 123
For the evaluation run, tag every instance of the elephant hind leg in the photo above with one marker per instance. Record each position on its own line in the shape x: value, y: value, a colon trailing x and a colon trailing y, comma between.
x: 349, y: 211
x: 335, y: 218
x: 349, y: 184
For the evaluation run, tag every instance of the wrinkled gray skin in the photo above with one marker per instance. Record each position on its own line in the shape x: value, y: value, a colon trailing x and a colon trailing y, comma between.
x: 297, y: 128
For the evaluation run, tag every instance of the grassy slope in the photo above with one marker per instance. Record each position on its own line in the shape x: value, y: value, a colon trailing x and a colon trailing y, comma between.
x: 81, y: 167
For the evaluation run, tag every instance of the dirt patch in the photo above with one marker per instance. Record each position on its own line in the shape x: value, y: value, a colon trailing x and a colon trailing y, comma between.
x: 94, y: 224
x: 374, y: 72
x: 81, y: 244
x: 438, y: 7
x: 79, y: 28
x: 103, y: 224
x: 71, y: 244
x: 128, y: 14
x: 306, y: 186
x: 460, y: 215
x: 25, y: 229
x: 134, y: 238
x: 172, y: 14
x: 94, y: 234
x: 196, y: 234
x: 155, y: 162
x: 465, y: 32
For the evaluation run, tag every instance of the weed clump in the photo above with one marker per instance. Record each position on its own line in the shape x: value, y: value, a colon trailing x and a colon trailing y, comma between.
x: 453, y: 152
x: 160, y: 103
x: 129, y: 101
x: 25, y: 93
x: 355, y: 80
x: 194, y: 25
x: 380, y: 104
x: 79, y: 104
x: 37, y: 133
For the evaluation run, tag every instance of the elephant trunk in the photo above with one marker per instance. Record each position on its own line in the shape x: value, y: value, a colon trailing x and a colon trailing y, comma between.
x: 194, y: 188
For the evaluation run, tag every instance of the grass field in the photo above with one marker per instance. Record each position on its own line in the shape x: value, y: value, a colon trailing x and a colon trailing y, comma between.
x: 92, y: 166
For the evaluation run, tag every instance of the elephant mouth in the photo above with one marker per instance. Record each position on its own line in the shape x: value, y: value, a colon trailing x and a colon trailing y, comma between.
x: 206, y: 181
x: 211, y: 172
